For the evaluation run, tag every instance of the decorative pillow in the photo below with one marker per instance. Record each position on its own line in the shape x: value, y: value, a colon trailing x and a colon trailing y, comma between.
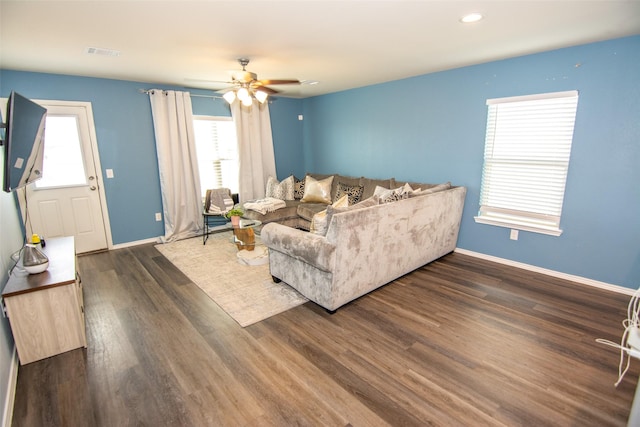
x: 280, y: 190
x: 380, y: 190
x: 387, y: 196
x: 318, y: 191
x: 320, y: 221
x: 298, y: 190
x: 354, y: 192
x: 332, y: 210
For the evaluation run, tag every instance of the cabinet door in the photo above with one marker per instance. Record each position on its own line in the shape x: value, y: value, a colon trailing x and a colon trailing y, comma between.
x: 46, y: 322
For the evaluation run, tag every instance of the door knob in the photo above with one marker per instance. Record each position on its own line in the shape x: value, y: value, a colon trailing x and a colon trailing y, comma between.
x: 93, y: 188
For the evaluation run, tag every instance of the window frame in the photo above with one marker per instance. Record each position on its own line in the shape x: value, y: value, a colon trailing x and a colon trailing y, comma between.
x: 217, y: 119
x: 523, y: 178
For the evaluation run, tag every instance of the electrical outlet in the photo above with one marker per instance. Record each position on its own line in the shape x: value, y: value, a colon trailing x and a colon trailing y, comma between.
x: 158, y: 216
x: 514, y: 235
x: 633, y: 337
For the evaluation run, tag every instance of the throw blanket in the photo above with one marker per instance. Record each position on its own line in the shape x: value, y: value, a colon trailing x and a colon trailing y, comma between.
x: 220, y: 201
x: 268, y: 204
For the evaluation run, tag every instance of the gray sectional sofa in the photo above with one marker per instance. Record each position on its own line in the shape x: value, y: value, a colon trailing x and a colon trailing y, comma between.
x: 298, y: 214
x: 367, y: 244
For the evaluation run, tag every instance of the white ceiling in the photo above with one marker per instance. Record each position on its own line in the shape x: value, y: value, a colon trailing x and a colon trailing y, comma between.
x: 341, y: 44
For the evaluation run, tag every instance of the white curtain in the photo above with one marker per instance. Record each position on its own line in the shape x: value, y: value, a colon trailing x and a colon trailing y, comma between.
x: 178, y: 163
x: 255, y: 149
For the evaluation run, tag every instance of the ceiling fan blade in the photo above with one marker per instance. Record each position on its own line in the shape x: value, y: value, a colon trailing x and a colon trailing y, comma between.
x: 264, y: 89
x: 225, y: 90
x: 244, y: 76
x: 279, y: 82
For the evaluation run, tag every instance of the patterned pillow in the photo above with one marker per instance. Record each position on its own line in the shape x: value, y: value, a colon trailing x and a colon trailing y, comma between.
x: 318, y: 191
x: 298, y: 191
x: 354, y: 192
x: 280, y: 190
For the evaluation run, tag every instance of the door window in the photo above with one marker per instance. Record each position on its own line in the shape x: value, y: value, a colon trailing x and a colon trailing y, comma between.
x: 63, y: 165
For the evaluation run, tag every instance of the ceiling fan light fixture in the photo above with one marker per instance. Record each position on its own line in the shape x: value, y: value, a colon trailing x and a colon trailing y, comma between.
x: 229, y: 96
x: 261, y: 96
x: 246, y: 101
x: 243, y: 94
x: 247, y: 87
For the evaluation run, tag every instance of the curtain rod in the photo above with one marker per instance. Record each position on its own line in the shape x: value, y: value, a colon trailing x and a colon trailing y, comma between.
x: 146, y: 91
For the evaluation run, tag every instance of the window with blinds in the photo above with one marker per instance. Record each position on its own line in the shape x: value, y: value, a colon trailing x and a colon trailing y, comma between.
x: 217, y: 151
x: 526, y: 160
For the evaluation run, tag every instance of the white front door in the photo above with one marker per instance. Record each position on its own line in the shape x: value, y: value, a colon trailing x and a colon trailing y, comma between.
x: 68, y: 200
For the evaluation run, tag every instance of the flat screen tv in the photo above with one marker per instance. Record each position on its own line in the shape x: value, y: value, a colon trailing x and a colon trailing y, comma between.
x: 23, y: 142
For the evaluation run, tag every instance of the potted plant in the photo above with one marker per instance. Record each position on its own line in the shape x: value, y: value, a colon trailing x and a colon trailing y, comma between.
x: 235, y: 215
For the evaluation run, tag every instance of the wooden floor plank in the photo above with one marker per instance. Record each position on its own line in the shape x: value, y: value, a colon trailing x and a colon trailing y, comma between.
x: 461, y: 341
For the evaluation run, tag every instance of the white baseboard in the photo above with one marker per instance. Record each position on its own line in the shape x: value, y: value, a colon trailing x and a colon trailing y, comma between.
x: 7, y: 418
x: 136, y: 243
x: 571, y: 277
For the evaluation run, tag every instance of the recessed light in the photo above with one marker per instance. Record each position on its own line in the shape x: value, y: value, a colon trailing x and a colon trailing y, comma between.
x: 101, y: 51
x: 471, y: 17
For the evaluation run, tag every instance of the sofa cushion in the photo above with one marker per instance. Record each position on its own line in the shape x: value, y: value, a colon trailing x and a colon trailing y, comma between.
x: 332, y: 210
x: 289, y: 211
x: 308, y: 210
x: 432, y: 189
x: 370, y: 185
x: 280, y: 190
x: 318, y: 191
x: 354, y: 192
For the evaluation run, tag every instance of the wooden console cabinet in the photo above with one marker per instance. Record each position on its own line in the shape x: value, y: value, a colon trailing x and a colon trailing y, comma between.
x: 46, y: 310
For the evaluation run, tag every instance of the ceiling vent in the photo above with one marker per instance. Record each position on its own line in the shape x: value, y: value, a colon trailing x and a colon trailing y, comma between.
x: 102, y: 51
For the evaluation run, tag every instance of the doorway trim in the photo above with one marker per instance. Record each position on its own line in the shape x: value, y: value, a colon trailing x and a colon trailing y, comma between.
x: 94, y: 154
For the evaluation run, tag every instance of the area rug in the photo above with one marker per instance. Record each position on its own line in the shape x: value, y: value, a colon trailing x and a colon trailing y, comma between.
x: 246, y: 293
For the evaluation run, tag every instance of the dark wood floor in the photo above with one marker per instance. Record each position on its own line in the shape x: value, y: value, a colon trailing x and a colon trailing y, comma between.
x: 461, y: 341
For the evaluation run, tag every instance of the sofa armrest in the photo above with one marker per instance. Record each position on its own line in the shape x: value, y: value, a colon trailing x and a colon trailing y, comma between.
x: 307, y: 247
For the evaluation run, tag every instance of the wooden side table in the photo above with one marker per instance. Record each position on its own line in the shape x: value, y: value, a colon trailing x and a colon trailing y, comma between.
x: 46, y: 310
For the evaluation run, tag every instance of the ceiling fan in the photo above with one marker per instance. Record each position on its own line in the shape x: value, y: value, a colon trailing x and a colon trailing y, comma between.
x: 246, y: 86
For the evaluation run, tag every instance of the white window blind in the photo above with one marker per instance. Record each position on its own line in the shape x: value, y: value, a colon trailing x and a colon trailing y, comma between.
x: 217, y: 150
x: 526, y: 159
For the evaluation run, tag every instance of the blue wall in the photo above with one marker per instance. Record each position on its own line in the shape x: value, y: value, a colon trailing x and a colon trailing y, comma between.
x: 431, y: 129
x: 126, y: 144
x: 428, y: 128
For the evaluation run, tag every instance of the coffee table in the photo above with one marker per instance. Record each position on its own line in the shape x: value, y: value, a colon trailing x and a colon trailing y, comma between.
x: 243, y: 234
